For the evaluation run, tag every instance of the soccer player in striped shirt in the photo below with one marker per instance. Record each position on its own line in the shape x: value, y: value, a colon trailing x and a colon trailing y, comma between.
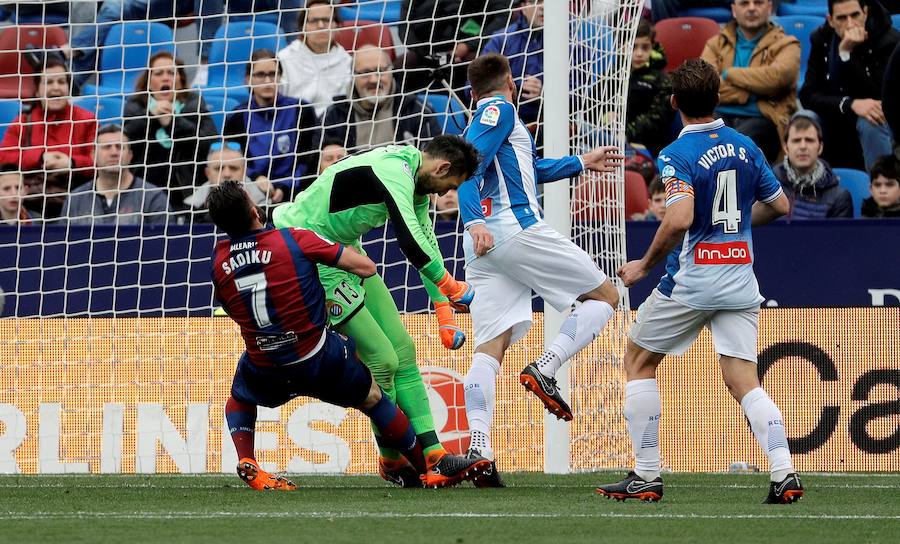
x: 718, y: 184
x: 267, y: 281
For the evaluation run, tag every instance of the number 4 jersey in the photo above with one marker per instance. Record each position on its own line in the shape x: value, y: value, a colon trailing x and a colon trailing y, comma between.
x: 268, y: 283
x: 725, y: 173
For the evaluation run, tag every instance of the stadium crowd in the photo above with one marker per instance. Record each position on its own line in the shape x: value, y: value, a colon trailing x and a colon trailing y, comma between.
x: 817, y: 106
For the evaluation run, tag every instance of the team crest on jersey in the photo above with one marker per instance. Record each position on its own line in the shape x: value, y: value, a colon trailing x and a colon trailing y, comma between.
x: 334, y: 310
x: 283, y: 142
x: 407, y: 169
x: 668, y: 171
x: 490, y: 116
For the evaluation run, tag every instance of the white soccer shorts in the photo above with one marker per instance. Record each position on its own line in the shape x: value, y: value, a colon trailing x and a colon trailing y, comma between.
x: 663, y: 325
x: 537, y: 259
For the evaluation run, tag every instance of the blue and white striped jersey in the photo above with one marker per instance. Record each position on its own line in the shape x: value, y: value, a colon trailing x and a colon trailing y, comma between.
x: 726, y: 174
x: 503, y: 193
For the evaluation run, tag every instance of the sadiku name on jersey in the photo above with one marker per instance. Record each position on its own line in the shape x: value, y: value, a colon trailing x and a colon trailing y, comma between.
x: 722, y: 253
x: 249, y: 256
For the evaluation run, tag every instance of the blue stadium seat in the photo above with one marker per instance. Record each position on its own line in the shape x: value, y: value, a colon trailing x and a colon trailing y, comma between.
x: 9, y: 110
x: 801, y: 26
x: 895, y: 20
x: 857, y: 182
x: 717, y: 14
x: 108, y: 109
x: 449, y: 113
x: 231, y: 49
x: 126, y: 54
x: 382, y: 11
x: 804, y: 7
x: 219, y: 106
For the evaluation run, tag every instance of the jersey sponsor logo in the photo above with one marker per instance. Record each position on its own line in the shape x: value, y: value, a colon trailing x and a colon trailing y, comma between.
x: 724, y: 253
x: 676, y: 187
x: 275, y: 343
x: 486, y: 207
x: 490, y: 116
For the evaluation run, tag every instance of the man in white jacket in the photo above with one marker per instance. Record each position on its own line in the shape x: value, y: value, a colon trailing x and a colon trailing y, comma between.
x: 316, y: 67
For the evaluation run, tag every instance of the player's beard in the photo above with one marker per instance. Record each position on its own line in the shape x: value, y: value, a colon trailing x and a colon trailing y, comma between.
x: 424, y: 184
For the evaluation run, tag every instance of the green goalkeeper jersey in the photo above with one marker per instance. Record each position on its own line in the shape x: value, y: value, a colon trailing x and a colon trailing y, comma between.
x: 360, y: 193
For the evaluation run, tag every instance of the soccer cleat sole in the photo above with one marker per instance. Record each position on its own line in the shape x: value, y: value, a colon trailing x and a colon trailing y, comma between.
x: 647, y: 496
x: 436, y: 481
x: 551, y: 405
x: 791, y: 496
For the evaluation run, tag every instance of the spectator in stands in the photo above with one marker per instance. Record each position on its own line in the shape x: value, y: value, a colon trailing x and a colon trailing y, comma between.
x: 891, y: 98
x: 656, y: 204
x: 522, y: 42
x: 316, y: 68
x: 52, y: 141
x: 446, y: 206
x: 807, y: 180
x: 278, y: 133
x: 759, y: 65
x: 449, y: 32
x: 332, y: 151
x: 116, y: 196
x: 885, y: 189
x: 169, y: 136
x: 844, y: 79
x: 375, y: 113
x: 225, y: 163
x: 85, y: 43
x: 649, y: 113
x: 12, y: 191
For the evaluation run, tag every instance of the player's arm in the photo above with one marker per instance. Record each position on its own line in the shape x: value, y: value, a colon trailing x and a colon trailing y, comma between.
x: 322, y: 250
x: 677, y: 221
x: 601, y: 159
x: 487, y: 133
x: 355, y: 263
x: 771, y: 202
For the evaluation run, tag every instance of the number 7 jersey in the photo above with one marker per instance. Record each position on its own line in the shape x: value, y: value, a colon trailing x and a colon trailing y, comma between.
x: 725, y: 173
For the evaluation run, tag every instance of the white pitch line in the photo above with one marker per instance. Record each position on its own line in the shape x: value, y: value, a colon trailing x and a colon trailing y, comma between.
x: 236, y: 484
x: 11, y: 516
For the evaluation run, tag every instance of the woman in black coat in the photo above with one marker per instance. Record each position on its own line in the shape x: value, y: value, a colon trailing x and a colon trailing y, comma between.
x: 169, y: 136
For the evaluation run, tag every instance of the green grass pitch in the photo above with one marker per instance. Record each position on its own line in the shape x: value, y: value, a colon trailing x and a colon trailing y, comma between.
x: 725, y: 508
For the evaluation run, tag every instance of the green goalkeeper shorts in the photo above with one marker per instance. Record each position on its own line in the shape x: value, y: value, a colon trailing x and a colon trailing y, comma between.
x: 344, y: 293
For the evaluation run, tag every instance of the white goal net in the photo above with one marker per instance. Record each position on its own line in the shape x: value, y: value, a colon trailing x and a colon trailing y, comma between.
x: 113, y: 359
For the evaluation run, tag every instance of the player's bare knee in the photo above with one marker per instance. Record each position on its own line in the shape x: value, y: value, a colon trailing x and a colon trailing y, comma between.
x: 605, y: 292
x: 373, y: 397
x: 496, y: 347
x: 640, y: 364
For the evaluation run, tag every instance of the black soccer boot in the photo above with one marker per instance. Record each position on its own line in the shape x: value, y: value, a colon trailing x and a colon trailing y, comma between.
x: 545, y: 388
x: 490, y: 477
x: 633, y: 487
x: 786, y: 491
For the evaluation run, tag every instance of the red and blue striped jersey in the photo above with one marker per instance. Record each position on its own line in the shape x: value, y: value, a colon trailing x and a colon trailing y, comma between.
x: 268, y: 283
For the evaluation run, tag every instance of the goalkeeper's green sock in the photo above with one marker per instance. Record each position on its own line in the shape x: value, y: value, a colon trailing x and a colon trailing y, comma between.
x: 413, y: 399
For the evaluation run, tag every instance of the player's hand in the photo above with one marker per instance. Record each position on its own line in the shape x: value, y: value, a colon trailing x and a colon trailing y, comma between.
x: 482, y: 239
x: 869, y: 109
x: 632, y: 272
x: 603, y: 159
x: 460, y: 293
x: 451, y: 336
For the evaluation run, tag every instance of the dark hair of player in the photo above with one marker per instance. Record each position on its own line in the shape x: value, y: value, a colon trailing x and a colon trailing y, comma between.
x: 488, y: 73
x: 800, y: 122
x: 229, y: 207
x: 887, y: 166
x: 646, y: 30
x: 695, y: 85
x: 462, y: 155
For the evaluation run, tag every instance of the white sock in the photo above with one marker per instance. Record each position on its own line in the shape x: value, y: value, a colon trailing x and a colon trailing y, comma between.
x: 480, y: 388
x: 576, y: 332
x: 643, y: 408
x: 768, y: 428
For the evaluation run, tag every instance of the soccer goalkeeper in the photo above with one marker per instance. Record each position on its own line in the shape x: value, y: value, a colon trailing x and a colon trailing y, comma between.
x: 351, y: 198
